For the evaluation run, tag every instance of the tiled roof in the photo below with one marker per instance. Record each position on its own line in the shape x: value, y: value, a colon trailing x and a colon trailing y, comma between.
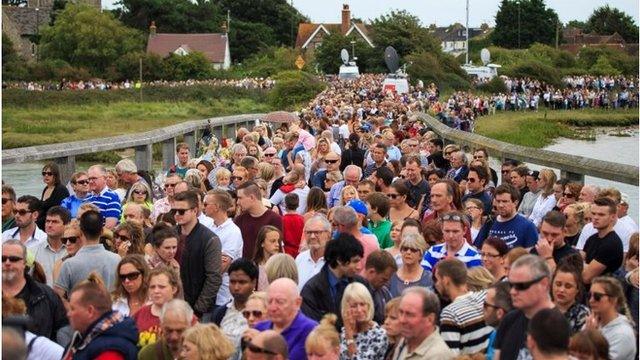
x: 213, y: 46
x: 305, y: 30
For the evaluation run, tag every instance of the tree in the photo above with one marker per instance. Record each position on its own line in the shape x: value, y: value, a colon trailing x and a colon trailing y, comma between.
x: 327, y: 56
x: 249, y: 38
x: 171, y: 16
x: 85, y: 37
x: 403, y: 31
x: 603, y: 67
x: 8, y: 51
x: 577, y: 24
x: 520, y: 23
x: 191, y: 66
x: 606, y: 20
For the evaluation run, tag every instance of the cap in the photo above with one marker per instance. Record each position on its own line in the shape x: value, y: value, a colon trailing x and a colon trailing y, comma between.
x: 359, y: 206
x: 624, y: 198
x: 533, y: 173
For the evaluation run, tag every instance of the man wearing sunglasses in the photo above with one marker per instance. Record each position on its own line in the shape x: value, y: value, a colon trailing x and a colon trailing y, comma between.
x: 530, y: 280
x: 163, y: 206
x: 332, y: 161
x: 48, y: 252
x: 8, y: 201
x: 25, y: 213
x: 80, y: 185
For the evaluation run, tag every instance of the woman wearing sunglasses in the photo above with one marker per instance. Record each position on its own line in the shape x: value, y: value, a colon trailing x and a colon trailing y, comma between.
x: 53, y: 193
x: 610, y: 315
x: 72, y: 240
x: 128, y: 239
x: 131, y: 291
x: 255, y: 310
x: 399, y: 210
x: 141, y: 194
x: 411, y: 273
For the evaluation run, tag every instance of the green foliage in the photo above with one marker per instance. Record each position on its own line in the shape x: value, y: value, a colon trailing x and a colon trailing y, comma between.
x: 191, y: 66
x: 128, y: 67
x: 85, y: 37
x: 534, y: 69
x: 8, y: 51
x: 273, y: 60
x: 328, y: 58
x: 171, y: 16
x: 619, y: 60
x: 43, y: 70
x: 603, y: 67
x: 577, y: 24
x: 607, y: 20
x: 403, y: 31
x: 443, y: 71
x: 475, y: 46
x: 247, y: 38
x: 520, y: 23
x: 494, y: 86
x: 294, y: 88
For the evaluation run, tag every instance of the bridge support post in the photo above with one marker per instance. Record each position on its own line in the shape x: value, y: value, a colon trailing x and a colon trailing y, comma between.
x: 144, y: 157
x: 168, y: 153
x: 571, y: 176
x: 190, y: 139
x: 67, y: 167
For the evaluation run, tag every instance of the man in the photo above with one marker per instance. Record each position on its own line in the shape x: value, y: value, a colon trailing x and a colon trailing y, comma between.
x: 267, y: 345
x: 436, y: 158
x: 183, y: 154
x: 332, y: 160
x: 623, y: 215
x: 459, y: 168
x: 106, y: 200
x: 441, y: 201
x: 393, y: 153
x: 497, y: 303
x: 418, y: 316
x: 317, y: 232
x: 25, y: 213
x: 163, y: 206
x: 477, y: 179
x: 519, y: 179
x: 365, y: 187
x: 53, y: 249
x: 128, y: 173
x: 530, y: 281
x: 603, y: 251
x: 251, y: 164
x: 352, y: 175
x: 175, y: 318
x: 92, y: 257
x: 104, y: 333
x: 418, y: 187
x: 80, y: 184
x: 548, y: 336
x: 198, y: 253
x: 552, y: 246
x: 414, y: 150
x: 347, y: 221
x: 513, y: 228
x: 378, y: 269
x: 134, y: 212
x: 216, y: 205
x: 290, y: 140
x: 8, y: 201
x: 378, y: 154
x: 454, y: 227
x: 508, y: 166
x: 285, y: 317
x: 253, y: 217
x: 462, y: 324
x: 382, y: 179
x: 529, y: 199
x: 588, y: 193
x: 44, y: 307
x: 482, y: 154
x: 323, y: 292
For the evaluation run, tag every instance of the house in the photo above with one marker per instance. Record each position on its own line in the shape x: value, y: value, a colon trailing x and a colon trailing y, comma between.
x: 453, y: 38
x: 215, y: 47
x: 575, y: 39
x: 310, y: 35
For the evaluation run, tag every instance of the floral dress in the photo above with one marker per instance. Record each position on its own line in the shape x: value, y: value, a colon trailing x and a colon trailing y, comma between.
x: 371, y: 344
x: 577, y: 316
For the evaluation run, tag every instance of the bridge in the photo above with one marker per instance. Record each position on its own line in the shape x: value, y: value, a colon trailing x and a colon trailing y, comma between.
x: 572, y: 167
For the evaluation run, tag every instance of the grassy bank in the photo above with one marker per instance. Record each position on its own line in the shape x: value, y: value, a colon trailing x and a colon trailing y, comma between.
x: 539, y: 129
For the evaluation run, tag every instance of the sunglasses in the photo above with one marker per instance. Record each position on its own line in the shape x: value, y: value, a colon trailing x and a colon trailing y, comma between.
x: 568, y: 195
x: 471, y: 180
x: 489, y: 305
x: 406, y: 248
x: 523, y: 286
x: 70, y: 240
x: 21, y: 212
x: 47, y: 173
x: 592, y: 295
x: 179, y: 211
x: 449, y: 217
x: 331, y: 161
x: 239, y: 178
x: 169, y: 185
x: 130, y: 276
x: 478, y: 158
x: 393, y: 196
x: 255, y: 313
x: 12, y: 259
x: 82, y: 182
x: 269, y: 155
x: 123, y: 237
x: 5, y: 200
x: 140, y: 192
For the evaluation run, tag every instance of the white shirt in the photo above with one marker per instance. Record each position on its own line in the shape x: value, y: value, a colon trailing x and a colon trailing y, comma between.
x: 541, y: 208
x: 36, y: 238
x: 627, y: 220
x: 344, y: 131
x: 336, y: 148
x: 278, y: 199
x: 42, y: 347
x: 307, y: 268
x: 47, y: 257
x: 231, y: 241
x: 206, y: 221
x: 623, y: 231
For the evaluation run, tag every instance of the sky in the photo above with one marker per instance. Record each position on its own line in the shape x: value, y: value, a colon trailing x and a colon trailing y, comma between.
x: 440, y: 12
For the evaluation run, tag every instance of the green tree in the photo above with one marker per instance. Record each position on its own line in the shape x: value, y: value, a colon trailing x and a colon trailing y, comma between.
x: 328, y: 59
x: 8, y: 51
x: 85, y: 37
x: 249, y: 38
x: 128, y: 66
x: 273, y: 60
x: 171, y: 16
x: 577, y: 24
x: 192, y: 66
x: 520, y: 23
x: 603, y: 67
x: 607, y: 20
x: 403, y: 31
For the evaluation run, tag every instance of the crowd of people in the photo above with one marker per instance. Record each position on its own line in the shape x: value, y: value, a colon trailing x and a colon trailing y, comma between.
x: 351, y: 233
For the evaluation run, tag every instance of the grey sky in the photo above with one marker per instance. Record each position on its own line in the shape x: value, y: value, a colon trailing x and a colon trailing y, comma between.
x: 441, y: 12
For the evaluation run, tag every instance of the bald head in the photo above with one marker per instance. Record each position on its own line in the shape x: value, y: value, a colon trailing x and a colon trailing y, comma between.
x: 284, y: 285
x: 283, y: 302
x: 272, y: 341
x: 133, y: 212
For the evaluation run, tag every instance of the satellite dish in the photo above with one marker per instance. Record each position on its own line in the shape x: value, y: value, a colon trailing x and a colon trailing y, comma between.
x: 485, y: 56
x: 344, y: 54
x: 391, y: 59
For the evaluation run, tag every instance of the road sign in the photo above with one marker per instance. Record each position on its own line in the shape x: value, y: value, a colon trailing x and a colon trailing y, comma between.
x: 299, y: 62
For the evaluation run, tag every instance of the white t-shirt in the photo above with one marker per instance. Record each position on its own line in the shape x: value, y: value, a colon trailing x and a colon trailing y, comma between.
x: 621, y: 229
x: 307, y: 268
x: 42, y: 347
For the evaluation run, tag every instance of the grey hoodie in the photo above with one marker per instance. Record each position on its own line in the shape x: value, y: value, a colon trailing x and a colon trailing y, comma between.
x: 622, y: 340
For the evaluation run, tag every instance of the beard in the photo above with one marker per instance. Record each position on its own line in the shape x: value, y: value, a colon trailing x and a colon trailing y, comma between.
x: 9, y: 276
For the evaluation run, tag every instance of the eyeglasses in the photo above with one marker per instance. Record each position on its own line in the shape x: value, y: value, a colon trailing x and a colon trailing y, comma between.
x: 47, y: 173
x: 254, y: 313
x: 179, y: 211
x: 471, y: 180
x: 234, y: 178
x: 130, y: 276
x: 450, y: 217
x: 82, y: 182
x: 406, y: 248
x: 5, y: 200
x: 523, y: 286
x: 21, y: 212
x: 269, y: 155
x: 140, y: 192
x: 311, y: 232
x: 123, y: 237
x: 331, y: 161
x: 258, y: 350
x: 166, y: 186
x: 393, y: 196
x: 485, y: 254
x: 12, y: 259
x: 69, y: 239
x: 568, y: 195
x: 592, y: 295
x: 487, y: 305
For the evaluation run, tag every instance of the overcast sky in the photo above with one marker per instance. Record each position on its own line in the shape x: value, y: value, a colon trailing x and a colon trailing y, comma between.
x: 443, y: 12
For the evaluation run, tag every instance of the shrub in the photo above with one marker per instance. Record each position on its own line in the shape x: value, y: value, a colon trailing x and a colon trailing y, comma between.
x: 534, y: 69
x: 496, y: 85
x: 603, y: 67
x: 191, y: 66
x: 444, y: 71
x: 293, y: 88
x: 128, y: 67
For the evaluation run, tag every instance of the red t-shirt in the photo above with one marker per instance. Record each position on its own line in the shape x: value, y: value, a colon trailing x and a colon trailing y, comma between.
x: 148, y: 326
x: 292, y: 225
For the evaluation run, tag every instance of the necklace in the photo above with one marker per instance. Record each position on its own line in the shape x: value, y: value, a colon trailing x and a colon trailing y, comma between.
x: 408, y: 280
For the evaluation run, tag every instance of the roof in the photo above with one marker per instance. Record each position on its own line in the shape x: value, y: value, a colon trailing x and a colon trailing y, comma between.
x: 306, y: 30
x: 455, y: 32
x: 213, y: 46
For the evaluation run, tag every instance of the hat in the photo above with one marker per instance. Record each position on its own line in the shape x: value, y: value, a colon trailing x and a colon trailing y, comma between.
x: 533, y: 173
x: 359, y: 206
x: 365, y: 127
x: 624, y: 198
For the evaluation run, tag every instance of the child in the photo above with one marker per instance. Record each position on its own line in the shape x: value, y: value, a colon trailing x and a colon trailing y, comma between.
x: 292, y: 225
x: 223, y: 178
x: 378, y: 224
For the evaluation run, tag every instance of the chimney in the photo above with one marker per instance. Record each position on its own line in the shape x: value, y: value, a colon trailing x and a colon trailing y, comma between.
x: 224, y: 28
x: 346, y: 19
x: 152, y: 29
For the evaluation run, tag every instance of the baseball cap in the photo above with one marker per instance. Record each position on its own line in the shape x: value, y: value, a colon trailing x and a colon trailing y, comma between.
x: 624, y: 198
x: 359, y: 206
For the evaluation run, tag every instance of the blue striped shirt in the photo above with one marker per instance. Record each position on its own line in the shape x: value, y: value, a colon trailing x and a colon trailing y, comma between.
x: 467, y: 254
x: 108, y: 202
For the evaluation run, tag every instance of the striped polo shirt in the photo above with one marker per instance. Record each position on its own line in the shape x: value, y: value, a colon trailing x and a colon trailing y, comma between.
x: 462, y: 324
x: 108, y: 202
x: 467, y: 254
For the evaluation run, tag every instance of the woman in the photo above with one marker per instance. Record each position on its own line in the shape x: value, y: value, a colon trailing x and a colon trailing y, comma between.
x: 546, y: 200
x: 566, y: 292
x: 348, y: 193
x: 131, y: 285
x: 392, y: 326
x: 316, y: 203
x: 267, y: 172
x: 165, y: 246
x: 332, y: 178
x: 268, y: 243
x: 589, y: 345
x: 399, y: 210
x: 610, y: 315
x: 479, y: 278
x: 281, y: 265
x: 255, y: 151
x: 396, y: 229
x: 558, y: 188
x: 114, y: 184
x: 129, y: 239
x: 205, y: 342
x: 570, y: 195
x: 140, y: 194
x: 323, y: 343
x: 323, y: 147
x: 493, y: 253
x: 205, y: 168
x: 411, y: 273
x: 360, y: 337
x: 575, y: 214
x: 53, y: 193
x: 474, y: 208
x: 255, y: 310
x: 72, y: 239
x: 164, y: 286
x: 433, y: 176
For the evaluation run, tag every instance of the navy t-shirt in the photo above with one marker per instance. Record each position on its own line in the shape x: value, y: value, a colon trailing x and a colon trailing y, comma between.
x: 516, y: 232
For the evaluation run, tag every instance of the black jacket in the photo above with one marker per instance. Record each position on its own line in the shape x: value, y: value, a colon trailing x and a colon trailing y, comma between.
x: 59, y: 193
x: 44, y: 307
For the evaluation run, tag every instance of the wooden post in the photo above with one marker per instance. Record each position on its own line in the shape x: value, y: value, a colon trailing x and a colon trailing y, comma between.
x: 571, y: 176
x: 144, y: 157
x: 190, y: 139
x: 67, y: 167
x: 168, y: 153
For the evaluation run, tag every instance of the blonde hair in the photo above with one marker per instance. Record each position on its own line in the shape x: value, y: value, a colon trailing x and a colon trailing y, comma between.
x: 579, y: 211
x: 222, y: 172
x: 550, y: 177
x: 345, y: 189
x: 357, y: 291
x: 479, y: 278
x: 281, y: 266
x: 414, y: 241
x: 334, y: 176
x: 266, y: 171
x: 211, y: 342
x: 259, y: 295
x: 324, y: 334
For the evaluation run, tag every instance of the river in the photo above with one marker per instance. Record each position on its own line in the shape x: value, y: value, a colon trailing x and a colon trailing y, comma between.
x: 26, y: 179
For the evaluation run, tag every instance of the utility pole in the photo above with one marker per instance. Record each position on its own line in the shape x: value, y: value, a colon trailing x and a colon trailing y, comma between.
x: 518, y: 24
x: 466, y: 57
x: 228, y: 21
x: 353, y: 49
x: 140, y: 79
x: 293, y: 41
x: 557, y: 32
